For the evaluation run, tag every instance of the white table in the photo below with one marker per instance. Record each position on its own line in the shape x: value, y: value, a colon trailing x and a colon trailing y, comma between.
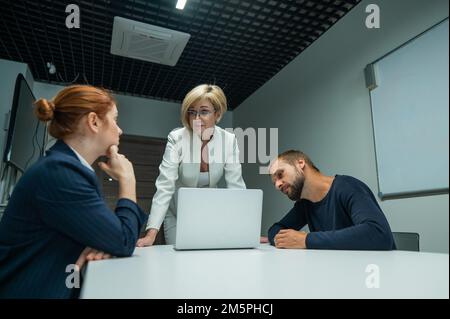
x: 266, y: 272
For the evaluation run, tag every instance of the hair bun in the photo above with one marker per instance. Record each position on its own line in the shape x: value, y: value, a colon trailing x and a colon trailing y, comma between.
x: 44, y: 109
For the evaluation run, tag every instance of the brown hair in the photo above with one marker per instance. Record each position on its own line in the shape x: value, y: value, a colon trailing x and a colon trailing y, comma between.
x: 210, y: 92
x: 292, y: 156
x: 66, y: 109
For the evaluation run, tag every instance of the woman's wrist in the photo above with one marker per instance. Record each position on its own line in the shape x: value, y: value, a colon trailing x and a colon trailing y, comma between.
x: 152, y: 232
x: 127, y: 181
x: 127, y: 189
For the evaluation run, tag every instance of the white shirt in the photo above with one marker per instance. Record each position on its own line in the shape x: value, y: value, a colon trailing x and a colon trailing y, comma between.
x: 180, y: 167
x: 203, y: 179
x: 82, y: 160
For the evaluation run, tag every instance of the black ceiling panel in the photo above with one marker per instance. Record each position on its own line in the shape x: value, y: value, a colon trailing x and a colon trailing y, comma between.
x: 238, y: 45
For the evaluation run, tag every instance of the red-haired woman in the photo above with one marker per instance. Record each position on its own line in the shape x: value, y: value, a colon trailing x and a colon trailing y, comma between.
x: 56, y: 210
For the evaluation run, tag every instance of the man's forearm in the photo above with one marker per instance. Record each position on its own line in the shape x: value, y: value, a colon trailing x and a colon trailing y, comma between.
x: 359, y: 237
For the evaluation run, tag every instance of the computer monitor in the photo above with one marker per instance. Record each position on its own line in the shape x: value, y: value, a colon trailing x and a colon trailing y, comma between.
x: 26, y: 136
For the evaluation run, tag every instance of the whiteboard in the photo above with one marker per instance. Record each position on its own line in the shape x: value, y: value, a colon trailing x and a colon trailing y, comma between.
x: 410, y: 110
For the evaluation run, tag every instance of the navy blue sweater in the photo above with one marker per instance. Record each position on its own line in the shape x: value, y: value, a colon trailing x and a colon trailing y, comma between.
x: 56, y: 210
x: 348, y: 217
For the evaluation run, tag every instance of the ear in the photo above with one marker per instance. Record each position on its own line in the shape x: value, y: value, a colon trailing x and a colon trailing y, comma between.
x: 93, y: 122
x: 217, y: 117
x: 301, y: 164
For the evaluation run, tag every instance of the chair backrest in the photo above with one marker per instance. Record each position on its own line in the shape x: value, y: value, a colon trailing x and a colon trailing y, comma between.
x: 406, y: 241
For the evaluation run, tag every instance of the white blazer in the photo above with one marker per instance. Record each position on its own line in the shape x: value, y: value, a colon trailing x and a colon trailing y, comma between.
x: 180, y: 167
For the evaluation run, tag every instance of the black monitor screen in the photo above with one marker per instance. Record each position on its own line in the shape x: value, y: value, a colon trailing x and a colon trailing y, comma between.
x: 26, y: 134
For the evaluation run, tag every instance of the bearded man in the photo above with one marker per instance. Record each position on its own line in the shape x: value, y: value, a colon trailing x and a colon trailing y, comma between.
x: 341, y: 211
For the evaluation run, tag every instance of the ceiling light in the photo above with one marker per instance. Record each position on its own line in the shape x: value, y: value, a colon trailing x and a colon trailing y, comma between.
x: 180, y: 4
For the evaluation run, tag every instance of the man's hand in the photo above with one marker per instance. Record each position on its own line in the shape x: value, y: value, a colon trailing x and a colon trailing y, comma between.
x: 263, y: 240
x: 89, y: 254
x: 289, y: 238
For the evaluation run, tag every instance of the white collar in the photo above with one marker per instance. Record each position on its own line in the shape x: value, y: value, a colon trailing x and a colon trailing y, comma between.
x: 82, y: 160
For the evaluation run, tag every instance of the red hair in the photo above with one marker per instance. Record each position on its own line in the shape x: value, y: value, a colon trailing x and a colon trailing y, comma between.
x: 67, y: 108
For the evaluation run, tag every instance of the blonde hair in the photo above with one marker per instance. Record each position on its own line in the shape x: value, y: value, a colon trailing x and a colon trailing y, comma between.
x: 209, y: 92
x: 66, y: 109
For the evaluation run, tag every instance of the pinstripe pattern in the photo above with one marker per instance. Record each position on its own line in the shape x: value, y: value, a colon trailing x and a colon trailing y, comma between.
x: 55, y: 211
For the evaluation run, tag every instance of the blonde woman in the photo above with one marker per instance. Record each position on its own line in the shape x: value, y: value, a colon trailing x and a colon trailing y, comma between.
x: 197, y: 155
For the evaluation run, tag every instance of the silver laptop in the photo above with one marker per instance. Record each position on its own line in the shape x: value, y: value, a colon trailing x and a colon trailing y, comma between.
x: 218, y: 218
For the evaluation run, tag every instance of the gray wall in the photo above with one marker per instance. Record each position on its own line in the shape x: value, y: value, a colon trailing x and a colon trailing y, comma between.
x: 147, y: 117
x: 139, y: 116
x: 320, y: 104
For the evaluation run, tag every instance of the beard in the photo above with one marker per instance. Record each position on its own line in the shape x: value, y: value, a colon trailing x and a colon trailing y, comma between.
x: 296, y: 187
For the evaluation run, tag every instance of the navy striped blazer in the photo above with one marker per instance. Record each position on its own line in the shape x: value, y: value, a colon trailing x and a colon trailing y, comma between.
x: 55, y: 211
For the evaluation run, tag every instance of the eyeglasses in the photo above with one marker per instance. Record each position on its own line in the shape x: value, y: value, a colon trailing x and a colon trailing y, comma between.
x: 202, y: 113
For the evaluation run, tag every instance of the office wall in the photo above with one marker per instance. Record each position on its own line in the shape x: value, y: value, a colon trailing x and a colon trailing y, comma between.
x: 320, y: 105
x: 139, y: 116
x: 147, y: 117
x: 9, y: 71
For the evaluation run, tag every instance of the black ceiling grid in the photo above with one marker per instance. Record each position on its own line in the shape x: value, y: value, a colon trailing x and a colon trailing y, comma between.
x: 236, y: 44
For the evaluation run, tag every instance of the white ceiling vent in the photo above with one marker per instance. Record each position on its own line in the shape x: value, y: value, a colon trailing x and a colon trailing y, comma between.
x: 147, y: 42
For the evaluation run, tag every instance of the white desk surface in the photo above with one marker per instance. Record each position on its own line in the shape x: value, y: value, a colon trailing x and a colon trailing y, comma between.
x: 266, y: 272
